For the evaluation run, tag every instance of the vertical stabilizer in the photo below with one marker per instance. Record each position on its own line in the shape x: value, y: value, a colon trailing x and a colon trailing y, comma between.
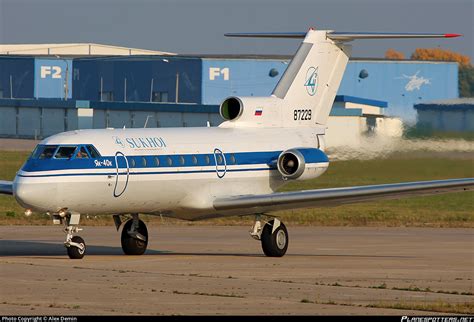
x: 312, y: 79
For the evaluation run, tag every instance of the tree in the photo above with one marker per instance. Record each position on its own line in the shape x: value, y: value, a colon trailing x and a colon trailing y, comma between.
x: 440, y: 54
x: 393, y: 54
x: 466, y: 81
x: 466, y: 71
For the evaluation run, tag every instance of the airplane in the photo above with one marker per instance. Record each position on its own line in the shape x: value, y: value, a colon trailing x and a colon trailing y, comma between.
x: 199, y: 173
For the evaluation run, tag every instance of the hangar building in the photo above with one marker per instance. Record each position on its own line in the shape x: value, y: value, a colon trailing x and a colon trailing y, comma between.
x: 165, y: 77
x: 50, y: 88
x: 456, y: 115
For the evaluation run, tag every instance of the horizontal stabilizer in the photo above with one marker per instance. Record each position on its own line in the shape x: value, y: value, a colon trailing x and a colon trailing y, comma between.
x: 347, y: 36
x: 344, y: 36
x: 267, y: 35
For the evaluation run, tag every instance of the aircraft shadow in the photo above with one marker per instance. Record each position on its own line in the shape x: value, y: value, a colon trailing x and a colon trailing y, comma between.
x: 12, y: 248
x: 38, y: 248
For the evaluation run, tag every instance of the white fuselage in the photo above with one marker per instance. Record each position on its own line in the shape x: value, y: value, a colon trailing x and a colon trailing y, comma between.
x: 176, y: 172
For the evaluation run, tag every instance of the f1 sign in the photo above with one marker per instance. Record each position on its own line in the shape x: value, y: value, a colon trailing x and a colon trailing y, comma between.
x: 217, y: 72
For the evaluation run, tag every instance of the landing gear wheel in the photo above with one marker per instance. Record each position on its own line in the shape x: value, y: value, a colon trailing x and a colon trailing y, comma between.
x: 276, y: 244
x: 75, y: 252
x: 134, y: 246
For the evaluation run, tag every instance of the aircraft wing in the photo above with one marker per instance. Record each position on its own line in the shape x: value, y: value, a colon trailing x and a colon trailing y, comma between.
x: 6, y: 187
x: 250, y: 204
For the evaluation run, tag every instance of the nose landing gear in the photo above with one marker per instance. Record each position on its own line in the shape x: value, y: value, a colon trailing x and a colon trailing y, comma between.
x: 75, y: 245
x: 76, y: 248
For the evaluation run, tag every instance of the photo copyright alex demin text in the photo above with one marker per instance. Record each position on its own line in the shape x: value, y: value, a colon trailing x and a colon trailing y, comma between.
x: 39, y: 319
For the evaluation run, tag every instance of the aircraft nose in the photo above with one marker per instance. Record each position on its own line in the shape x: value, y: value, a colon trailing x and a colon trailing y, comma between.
x: 21, y: 191
x: 30, y: 194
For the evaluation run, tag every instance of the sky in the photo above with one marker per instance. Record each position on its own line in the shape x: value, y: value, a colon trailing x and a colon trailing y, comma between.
x: 198, y: 27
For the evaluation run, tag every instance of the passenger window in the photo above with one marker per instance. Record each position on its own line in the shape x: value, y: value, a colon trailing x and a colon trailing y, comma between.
x: 170, y: 161
x: 93, y: 152
x: 132, y: 162
x: 232, y: 159
x: 48, y: 152
x: 144, y: 161
x: 195, y: 160
x: 65, y: 152
x: 181, y: 160
x: 157, y: 161
x: 207, y: 160
x: 219, y: 159
x: 82, y: 153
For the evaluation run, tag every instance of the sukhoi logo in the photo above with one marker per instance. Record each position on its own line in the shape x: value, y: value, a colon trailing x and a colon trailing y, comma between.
x: 118, y: 141
x: 311, y: 81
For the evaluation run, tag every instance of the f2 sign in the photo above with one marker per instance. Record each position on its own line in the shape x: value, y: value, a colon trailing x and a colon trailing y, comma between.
x: 52, y: 71
x: 217, y: 72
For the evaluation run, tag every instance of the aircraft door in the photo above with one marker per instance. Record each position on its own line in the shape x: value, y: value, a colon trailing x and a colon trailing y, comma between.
x: 122, y: 174
x: 220, y: 162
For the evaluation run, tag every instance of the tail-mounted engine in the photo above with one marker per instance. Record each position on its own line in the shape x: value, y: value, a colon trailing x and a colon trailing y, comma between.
x: 251, y: 112
x: 231, y: 108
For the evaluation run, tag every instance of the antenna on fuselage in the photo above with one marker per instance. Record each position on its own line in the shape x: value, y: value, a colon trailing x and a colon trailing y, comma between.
x: 146, y: 121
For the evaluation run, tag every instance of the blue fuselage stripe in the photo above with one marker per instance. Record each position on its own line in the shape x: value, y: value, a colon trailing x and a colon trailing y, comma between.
x: 180, y: 161
x: 139, y: 173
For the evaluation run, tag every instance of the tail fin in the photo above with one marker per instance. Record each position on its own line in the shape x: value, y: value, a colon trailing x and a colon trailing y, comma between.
x: 310, y: 83
x: 312, y: 79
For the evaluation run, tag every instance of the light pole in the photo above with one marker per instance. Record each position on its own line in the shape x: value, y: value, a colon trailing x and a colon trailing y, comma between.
x: 66, y: 80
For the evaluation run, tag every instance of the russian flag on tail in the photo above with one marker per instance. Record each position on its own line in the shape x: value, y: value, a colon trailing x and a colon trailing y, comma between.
x: 258, y: 112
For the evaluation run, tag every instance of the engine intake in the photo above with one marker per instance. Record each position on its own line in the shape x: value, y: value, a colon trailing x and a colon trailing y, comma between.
x: 231, y: 108
x: 291, y: 164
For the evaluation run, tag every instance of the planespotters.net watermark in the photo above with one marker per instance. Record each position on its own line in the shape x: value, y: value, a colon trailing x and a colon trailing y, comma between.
x: 40, y: 319
x: 437, y: 319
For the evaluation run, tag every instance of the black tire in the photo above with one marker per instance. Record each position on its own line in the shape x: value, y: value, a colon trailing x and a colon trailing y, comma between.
x: 276, y: 244
x: 133, y: 246
x: 74, y: 252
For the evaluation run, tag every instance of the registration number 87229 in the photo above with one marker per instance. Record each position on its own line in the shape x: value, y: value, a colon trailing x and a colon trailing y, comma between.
x: 302, y: 115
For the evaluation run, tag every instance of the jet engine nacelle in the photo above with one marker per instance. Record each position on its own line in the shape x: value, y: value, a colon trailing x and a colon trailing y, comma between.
x: 231, y: 108
x: 302, y: 164
x: 251, y: 111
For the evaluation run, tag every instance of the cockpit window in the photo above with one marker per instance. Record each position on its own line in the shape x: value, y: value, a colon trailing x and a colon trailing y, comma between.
x: 93, y: 152
x: 37, y: 151
x: 65, y: 152
x: 42, y: 152
x: 82, y: 153
x: 48, y: 152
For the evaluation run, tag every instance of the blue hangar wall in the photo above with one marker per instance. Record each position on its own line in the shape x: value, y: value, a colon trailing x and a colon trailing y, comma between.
x: 35, y: 77
x: 209, y: 80
x: 138, y: 79
x: 17, y: 77
x: 119, y: 79
x: 402, y: 84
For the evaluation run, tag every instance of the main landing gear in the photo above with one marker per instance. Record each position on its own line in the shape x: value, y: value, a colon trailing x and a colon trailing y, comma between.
x: 134, y: 236
x: 273, y: 235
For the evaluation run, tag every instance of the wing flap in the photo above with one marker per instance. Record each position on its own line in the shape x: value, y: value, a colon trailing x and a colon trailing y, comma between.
x: 336, y: 196
x: 6, y: 187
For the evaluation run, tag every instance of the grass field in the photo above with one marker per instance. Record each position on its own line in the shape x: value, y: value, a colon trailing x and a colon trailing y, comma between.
x: 449, y: 210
